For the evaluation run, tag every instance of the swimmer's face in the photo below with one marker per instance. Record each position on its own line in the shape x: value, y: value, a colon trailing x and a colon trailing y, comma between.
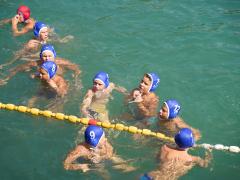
x: 145, y: 84
x: 43, y: 74
x: 47, y: 55
x: 43, y: 34
x: 20, y: 17
x: 163, y: 114
x: 98, y: 85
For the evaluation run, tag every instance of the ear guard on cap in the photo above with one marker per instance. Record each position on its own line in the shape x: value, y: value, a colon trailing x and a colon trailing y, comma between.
x: 154, y: 81
x: 38, y: 27
x: 173, y: 108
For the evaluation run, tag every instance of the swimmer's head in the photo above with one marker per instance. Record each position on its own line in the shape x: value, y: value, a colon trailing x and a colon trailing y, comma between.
x: 149, y: 82
x: 101, y: 80
x: 93, y: 135
x: 47, y: 52
x: 184, y: 138
x: 25, y: 12
x: 48, y: 70
x: 40, y: 30
x: 170, y: 109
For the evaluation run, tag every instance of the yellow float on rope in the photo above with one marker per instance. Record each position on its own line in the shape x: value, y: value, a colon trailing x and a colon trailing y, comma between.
x: 60, y: 116
x: 85, y: 121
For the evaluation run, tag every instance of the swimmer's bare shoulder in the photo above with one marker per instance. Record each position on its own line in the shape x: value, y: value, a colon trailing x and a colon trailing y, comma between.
x: 80, y: 150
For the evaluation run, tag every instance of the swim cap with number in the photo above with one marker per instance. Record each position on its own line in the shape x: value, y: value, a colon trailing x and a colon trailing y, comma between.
x: 173, y: 108
x: 93, y: 135
x: 50, y: 67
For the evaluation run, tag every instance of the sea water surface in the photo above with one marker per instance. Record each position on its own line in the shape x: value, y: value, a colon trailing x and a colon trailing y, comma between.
x: 194, y: 46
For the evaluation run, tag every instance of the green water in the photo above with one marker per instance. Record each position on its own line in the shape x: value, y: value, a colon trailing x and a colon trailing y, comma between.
x: 193, y: 45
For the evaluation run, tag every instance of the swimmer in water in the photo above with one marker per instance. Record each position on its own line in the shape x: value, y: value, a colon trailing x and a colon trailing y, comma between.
x: 95, y: 150
x: 31, y: 49
x: 22, y: 17
x: 47, y: 73
x: 96, y: 99
x: 47, y: 53
x: 148, y: 106
x: 175, y: 161
x: 54, y: 86
x: 169, y: 119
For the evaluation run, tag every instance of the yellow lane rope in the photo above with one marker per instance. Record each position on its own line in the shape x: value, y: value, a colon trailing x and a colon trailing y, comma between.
x: 118, y: 126
x: 85, y: 121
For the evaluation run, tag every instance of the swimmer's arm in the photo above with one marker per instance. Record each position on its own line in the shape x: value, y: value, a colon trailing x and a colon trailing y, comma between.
x: 5, y: 21
x: 181, y: 124
x: 32, y: 44
x: 86, y: 102
x: 15, y: 30
x: 69, y: 65
x: 121, y: 89
x: 152, y: 106
x: 110, y: 87
x: 20, y: 68
x: 143, y: 109
x: 62, y: 87
x: 54, y: 37
x: 203, y: 162
x: 72, y: 156
x: 122, y: 164
x: 53, y: 85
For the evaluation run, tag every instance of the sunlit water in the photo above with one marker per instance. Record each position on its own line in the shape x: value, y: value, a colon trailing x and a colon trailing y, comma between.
x: 193, y: 45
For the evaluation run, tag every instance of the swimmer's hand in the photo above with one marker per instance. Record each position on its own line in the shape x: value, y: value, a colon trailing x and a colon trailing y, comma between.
x: 124, y: 167
x: 84, y: 167
x: 119, y: 88
x: 3, y: 81
x: 5, y: 21
x: 66, y: 39
x: 15, y: 19
x: 33, y: 76
x: 138, y: 99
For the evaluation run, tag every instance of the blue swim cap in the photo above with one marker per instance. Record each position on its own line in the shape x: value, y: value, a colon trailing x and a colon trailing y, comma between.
x: 103, y: 77
x: 50, y: 67
x: 93, y: 135
x: 38, y: 27
x: 146, y: 177
x: 48, y: 47
x: 173, y: 108
x: 184, y: 138
x: 154, y: 81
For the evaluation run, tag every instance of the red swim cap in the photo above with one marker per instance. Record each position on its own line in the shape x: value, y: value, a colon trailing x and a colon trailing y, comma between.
x: 25, y: 11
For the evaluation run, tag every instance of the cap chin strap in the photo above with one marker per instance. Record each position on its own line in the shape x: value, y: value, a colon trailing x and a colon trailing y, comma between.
x: 168, y: 112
